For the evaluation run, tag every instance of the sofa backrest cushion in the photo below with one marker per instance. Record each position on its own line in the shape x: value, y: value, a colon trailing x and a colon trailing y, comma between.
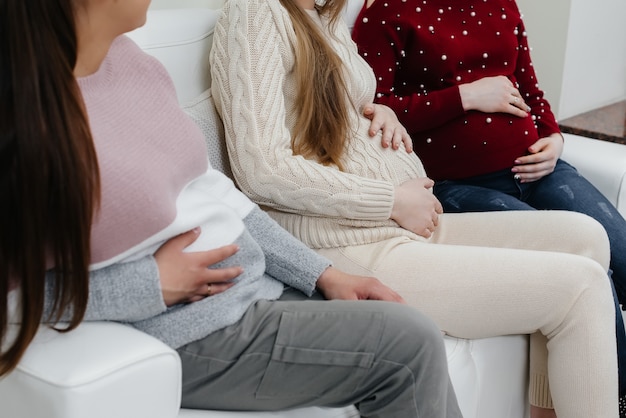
x: 202, y: 110
x: 181, y: 40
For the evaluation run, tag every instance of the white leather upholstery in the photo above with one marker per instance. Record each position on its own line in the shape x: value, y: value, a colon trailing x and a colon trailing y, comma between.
x: 107, y: 370
x: 100, y: 370
x: 183, y: 44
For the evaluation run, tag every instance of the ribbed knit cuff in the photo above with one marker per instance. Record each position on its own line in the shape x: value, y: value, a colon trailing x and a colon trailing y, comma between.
x: 539, y: 391
x: 375, y: 200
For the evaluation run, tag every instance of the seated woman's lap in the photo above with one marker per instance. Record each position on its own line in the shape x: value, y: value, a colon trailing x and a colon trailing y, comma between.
x: 563, y: 189
x: 476, y: 277
x: 287, y: 353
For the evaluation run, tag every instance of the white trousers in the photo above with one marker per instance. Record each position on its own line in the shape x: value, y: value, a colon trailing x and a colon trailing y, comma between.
x: 519, y: 272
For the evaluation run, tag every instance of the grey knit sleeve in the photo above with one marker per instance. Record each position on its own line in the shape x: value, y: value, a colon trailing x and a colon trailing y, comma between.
x: 124, y: 292
x: 287, y: 259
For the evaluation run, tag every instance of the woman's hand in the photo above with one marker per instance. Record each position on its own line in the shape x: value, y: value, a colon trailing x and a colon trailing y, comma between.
x: 415, y: 207
x: 492, y: 95
x: 385, y: 119
x: 335, y: 284
x: 187, y: 277
x: 542, y: 159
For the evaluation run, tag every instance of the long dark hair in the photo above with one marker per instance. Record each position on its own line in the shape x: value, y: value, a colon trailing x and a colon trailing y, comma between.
x: 49, y: 178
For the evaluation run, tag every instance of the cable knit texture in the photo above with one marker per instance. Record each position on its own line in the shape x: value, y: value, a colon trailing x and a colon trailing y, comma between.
x: 421, y: 51
x: 457, y: 278
x: 254, y: 85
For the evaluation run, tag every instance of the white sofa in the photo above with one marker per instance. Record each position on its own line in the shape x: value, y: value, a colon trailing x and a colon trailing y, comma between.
x: 108, y: 370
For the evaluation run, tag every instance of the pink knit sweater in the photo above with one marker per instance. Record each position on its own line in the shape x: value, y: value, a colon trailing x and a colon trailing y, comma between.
x: 156, y: 180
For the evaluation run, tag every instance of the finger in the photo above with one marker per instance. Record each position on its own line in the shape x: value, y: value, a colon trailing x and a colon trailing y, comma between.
x: 376, y: 127
x: 377, y: 290
x: 521, y: 105
x: 542, y: 145
x: 183, y: 240
x: 529, y: 178
x: 439, y: 208
x: 512, y: 110
x: 387, y: 138
x: 542, y: 165
x: 212, y: 289
x: 516, y: 100
x: 386, y: 294
x: 397, y: 139
x: 436, y: 219
x: 535, y: 177
x: 221, y: 275
x: 408, y: 142
x: 368, y: 111
x: 217, y: 255
x: 521, y: 162
x: 428, y: 183
x: 396, y: 297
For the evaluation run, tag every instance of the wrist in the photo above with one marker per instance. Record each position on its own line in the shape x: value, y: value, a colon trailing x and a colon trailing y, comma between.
x: 325, y: 278
x: 465, y: 95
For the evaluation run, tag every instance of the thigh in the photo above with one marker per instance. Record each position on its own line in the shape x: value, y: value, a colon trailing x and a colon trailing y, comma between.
x: 558, y: 231
x: 566, y: 189
x: 296, y: 352
x: 458, y: 197
x: 478, y: 292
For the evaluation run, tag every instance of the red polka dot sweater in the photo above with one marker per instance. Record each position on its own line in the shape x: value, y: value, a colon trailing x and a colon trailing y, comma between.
x: 421, y: 50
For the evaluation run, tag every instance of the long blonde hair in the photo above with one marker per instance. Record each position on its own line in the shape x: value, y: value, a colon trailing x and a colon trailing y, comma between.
x: 322, y: 125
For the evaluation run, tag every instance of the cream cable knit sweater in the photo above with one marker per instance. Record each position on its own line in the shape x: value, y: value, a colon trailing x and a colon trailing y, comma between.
x: 254, y: 86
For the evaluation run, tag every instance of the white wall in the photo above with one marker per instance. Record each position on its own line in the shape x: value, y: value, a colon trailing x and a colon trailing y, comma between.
x: 579, y: 51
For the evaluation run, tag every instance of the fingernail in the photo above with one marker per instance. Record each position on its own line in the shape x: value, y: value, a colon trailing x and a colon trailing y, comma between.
x: 196, y: 230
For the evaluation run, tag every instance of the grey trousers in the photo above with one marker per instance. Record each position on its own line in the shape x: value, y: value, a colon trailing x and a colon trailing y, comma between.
x: 386, y: 358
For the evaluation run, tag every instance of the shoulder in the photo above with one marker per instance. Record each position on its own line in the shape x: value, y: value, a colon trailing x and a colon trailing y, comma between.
x: 254, y: 23
x: 127, y: 68
x: 254, y: 9
x: 127, y: 56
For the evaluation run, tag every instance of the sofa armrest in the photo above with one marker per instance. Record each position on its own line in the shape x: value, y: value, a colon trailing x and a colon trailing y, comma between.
x: 99, y: 370
x: 602, y: 163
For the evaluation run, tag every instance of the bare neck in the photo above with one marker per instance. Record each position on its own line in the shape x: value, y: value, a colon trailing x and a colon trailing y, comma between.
x: 94, y: 40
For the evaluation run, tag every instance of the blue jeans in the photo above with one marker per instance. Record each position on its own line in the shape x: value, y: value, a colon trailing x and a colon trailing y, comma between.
x: 563, y: 189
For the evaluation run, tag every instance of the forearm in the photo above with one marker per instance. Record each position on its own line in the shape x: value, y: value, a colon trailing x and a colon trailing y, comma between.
x: 124, y: 292
x: 287, y: 259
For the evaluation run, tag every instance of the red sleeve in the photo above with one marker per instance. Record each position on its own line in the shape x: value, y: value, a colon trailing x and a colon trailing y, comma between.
x: 383, y: 49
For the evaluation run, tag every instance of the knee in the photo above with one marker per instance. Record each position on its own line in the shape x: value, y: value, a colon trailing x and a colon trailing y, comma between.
x: 594, y: 285
x: 411, y: 331
x: 591, y: 236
